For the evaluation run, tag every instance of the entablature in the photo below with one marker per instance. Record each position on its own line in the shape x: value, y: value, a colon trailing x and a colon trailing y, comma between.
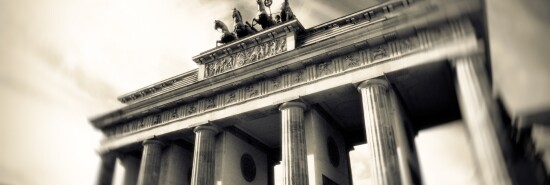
x: 235, y: 86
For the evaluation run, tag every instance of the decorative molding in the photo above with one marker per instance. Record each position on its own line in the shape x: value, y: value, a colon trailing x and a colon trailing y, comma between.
x: 180, y: 80
x: 315, y: 70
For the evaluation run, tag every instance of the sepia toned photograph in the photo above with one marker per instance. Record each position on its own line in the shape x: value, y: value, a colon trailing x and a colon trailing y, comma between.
x: 274, y: 92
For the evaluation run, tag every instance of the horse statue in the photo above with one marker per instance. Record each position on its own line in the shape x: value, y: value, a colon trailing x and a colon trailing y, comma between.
x: 286, y: 12
x: 227, y: 36
x: 263, y: 18
x: 241, y: 28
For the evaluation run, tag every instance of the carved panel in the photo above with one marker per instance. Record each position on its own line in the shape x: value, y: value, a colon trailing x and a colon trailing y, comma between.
x: 231, y: 97
x: 275, y: 83
x: 251, y: 91
x: 210, y: 103
x: 243, y: 58
x: 192, y: 108
x: 408, y: 44
x: 298, y: 76
x: 156, y: 119
x: 379, y: 52
x: 324, y: 68
x: 351, y: 60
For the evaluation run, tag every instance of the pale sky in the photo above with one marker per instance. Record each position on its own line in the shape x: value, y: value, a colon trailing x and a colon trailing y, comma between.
x: 63, y: 61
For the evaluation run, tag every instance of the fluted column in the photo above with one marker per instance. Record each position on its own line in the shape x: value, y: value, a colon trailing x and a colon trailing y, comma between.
x: 173, y: 167
x: 203, y: 157
x: 481, y: 118
x: 131, y: 169
x: 106, y: 169
x: 294, y: 156
x: 380, y: 137
x: 150, y: 162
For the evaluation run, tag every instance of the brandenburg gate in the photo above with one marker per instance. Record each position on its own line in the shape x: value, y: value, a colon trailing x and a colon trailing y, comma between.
x: 303, y: 98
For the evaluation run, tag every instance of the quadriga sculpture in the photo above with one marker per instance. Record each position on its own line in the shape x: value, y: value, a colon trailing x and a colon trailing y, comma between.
x: 242, y: 29
x: 263, y: 18
x: 227, y: 36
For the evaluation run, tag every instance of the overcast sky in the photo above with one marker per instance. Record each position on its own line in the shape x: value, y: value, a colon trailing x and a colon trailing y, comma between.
x: 62, y: 61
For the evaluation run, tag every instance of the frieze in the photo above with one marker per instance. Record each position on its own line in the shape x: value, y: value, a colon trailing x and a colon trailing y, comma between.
x: 287, y: 79
x: 245, y: 57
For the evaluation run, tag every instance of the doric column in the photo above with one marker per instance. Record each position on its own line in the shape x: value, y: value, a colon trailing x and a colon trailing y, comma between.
x: 294, y: 157
x: 150, y: 162
x: 481, y: 118
x: 106, y: 169
x: 203, y: 157
x: 173, y: 166
x: 131, y: 169
x: 380, y: 138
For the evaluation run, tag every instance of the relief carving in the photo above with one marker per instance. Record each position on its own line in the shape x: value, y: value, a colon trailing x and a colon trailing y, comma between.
x: 251, y: 91
x: 210, y: 103
x: 156, y: 119
x: 241, y: 59
x: 323, y: 68
x: 174, y: 113
x: 379, y: 53
x: 405, y: 45
x: 351, y: 61
x: 299, y: 76
x: 192, y: 109
x: 276, y: 82
x: 248, y: 56
x: 232, y: 97
x: 141, y: 123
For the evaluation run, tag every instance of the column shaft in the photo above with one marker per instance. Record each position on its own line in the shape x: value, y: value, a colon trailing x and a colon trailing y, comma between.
x: 203, y: 157
x: 294, y: 156
x: 150, y: 162
x: 380, y: 136
x: 131, y: 169
x: 481, y: 119
x: 106, y: 170
x: 173, y: 166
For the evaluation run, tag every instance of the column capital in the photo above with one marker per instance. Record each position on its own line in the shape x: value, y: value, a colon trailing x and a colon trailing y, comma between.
x: 153, y: 141
x: 372, y: 82
x: 289, y: 104
x: 209, y: 127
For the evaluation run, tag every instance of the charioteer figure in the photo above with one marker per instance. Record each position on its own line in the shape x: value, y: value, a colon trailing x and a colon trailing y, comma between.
x: 263, y: 18
x: 286, y: 12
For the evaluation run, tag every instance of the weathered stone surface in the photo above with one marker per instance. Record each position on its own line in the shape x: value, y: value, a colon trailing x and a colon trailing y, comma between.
x: 480, y: 115
x: 150, y: 162
x: 380, y: 137
x: 294, y: 159
x: 106, y: 169
x: 204, y: 155
x: 175, y: 165
x: 131, y: 169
